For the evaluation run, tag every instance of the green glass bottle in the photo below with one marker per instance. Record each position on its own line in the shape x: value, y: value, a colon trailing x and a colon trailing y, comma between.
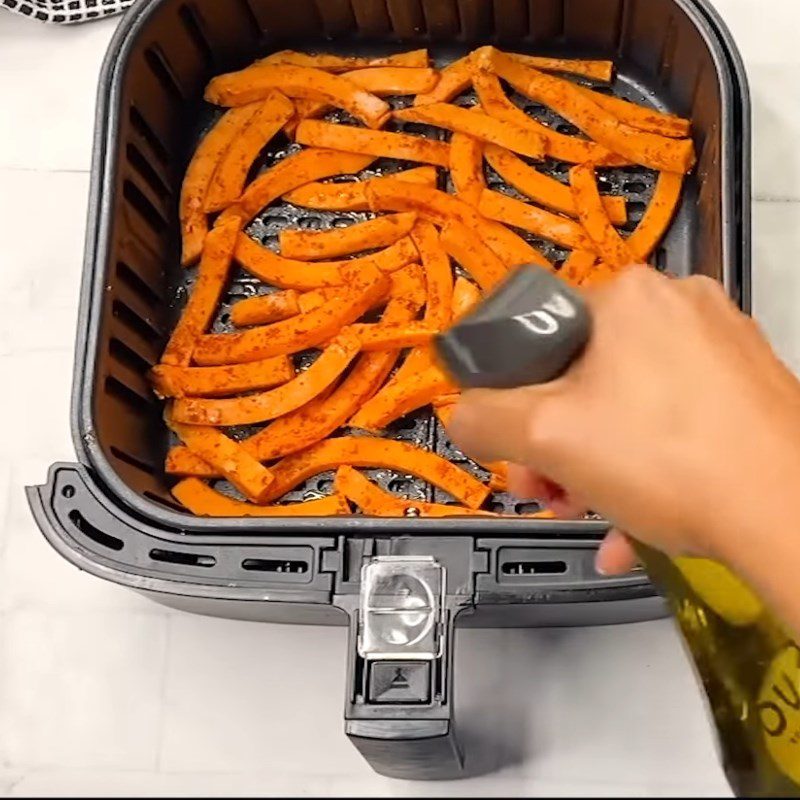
x: 749, y: 667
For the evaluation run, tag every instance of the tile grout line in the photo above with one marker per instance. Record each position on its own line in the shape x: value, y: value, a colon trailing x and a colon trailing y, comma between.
x: 163, y: 696
x: 766, y: 198
x: 51, y: 170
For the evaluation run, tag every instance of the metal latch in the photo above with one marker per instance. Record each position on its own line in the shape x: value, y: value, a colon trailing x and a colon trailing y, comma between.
x: 401, y: 608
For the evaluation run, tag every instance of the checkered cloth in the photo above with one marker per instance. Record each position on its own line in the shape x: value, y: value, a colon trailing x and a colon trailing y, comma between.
x: 66, y: 12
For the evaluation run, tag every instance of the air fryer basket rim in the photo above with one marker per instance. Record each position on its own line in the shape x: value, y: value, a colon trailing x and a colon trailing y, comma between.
x: 96, y: 252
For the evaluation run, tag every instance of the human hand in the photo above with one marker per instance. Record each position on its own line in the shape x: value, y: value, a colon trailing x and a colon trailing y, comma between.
x: 678, y: 423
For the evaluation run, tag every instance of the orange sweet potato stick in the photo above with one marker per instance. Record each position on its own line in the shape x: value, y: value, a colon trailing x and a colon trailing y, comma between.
x: 384, y: 81
x: 466, y: 167
x: 360, y: 451
x: 439, y: 207
x: 600, y: 274
x: 352, y: 196
x: 208, y: 288
x: 231, y: 173
x: 203, y: 501
x: 327, y: 412
x: 194, y: 225
x: 380, y: 336
x: 369, y: 235
x: 308, y: 83
x: 438, y: 275
x: 455, y: 78
x: 332, y: 63
x: 649, y: 149
x: 171, y: 381
x: 315, y: 298
x: 289, y: 173
x: 465, y: 297
x: 543, y: 189
x: 250, y: 477
x: 478, y: 125
x: 383, y: 144
x: 656, y: 220
x: 536, y: 220
x: 298, y: 333
x: 578, y: 266
x: 373, y: 500
x: 265, y: 308
x: 275, y: 402
x: 601, y: 71
x: 557, y: 145
x: 466, y: 247
x: 607, y: 242
x: 293, y: 274
x: 641, y: 117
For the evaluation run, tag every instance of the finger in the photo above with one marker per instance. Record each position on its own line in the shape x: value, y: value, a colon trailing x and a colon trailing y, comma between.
x: 496, y: 424
x: 616, y: 555
x: 526, y: 483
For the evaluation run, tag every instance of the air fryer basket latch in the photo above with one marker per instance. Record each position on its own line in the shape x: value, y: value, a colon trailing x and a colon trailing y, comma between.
x: 399, y: 711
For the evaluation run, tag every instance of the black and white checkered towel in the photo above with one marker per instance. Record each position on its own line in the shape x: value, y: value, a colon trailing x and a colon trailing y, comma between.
x: 66, y: 11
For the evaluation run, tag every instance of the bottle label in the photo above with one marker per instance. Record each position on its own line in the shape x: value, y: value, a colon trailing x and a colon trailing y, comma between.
x: 779, y: 711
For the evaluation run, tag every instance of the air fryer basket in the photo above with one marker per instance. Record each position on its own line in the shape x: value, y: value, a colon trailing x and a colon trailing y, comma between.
x: 111, y: 513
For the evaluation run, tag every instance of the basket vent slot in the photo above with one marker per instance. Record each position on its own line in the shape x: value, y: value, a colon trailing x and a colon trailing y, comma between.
x: 514, y: 568
x: 190, y: 20
x: 137, y: 284
x: 144, y: 466
x: 143, y: 327
x: 291, y: 566
x: 151, y: 215
x: 131, y: 398
x: 145, y: 169
x: 145, y: 130
x: 163, y: 73
x: 95, y: 534
x: 186, y: 559
x: 125, y: 355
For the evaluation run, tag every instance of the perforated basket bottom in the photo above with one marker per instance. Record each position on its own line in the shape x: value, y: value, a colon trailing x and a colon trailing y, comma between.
x: 421, y: 428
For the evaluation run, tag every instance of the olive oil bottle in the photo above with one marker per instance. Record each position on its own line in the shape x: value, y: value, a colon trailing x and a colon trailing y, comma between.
x: 749, y: 667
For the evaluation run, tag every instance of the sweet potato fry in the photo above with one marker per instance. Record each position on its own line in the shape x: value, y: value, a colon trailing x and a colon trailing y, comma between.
x: 203, y: 501
x: 171, y: 381
x: 315, y: 298
x: 478, y: 125
x: 229, y: 177
x: 578, y: 266
x: 366, y: 283
x: 369, y: 235
x: 466, y: 247
x: 543, y: 189
x: 250, y: 477
x: 536, y: 220
x: 496, y: 104
x: 384, y: 81
x: 597, y: 70
x: 352, y: 196
x: 640, y: 117
x: 308, y: 83
x: 438, y: 275
x: 465, y: 297
x: 328, y: 411
x: 607, y: 242
x: 373, y: 500
x: 275, y: 402
x: 265, y: 308
x: 649, y: 149
x: 466, y: 167
x: 348, y: 139
x: 656, y: 220
x: 439, y: 207
x: 194, y: 225
x: 331, y: 63
x: 599, y: 274
x: 380, y: 336
x: 212, y: 276
x: 293, y: 171
x: 456, y: 76
x: 360, y: 451
x: 293, y: 274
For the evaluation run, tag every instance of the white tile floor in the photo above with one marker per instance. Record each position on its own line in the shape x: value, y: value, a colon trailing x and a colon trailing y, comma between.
x: 102, y: 692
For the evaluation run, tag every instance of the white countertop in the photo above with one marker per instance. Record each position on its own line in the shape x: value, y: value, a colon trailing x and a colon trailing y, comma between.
x: 102, y: 692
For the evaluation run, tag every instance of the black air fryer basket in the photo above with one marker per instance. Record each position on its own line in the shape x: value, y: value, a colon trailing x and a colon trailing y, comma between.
x: 111, y: 513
